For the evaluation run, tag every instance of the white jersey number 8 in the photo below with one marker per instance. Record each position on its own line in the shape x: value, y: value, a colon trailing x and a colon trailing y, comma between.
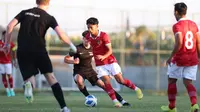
x: 189, y: 40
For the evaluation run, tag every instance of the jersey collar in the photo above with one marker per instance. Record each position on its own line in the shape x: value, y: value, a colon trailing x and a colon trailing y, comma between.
x: 96, y: 36
x: 182, y: 19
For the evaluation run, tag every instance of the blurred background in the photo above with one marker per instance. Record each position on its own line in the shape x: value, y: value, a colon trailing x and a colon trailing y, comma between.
x: 140, y: 31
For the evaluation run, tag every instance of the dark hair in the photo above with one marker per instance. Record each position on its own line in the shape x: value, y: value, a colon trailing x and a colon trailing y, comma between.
x: 42, y: 2
x: 85, y: 33
x: 3, y: 32
x: 181, y: 8
x: 93, y: 21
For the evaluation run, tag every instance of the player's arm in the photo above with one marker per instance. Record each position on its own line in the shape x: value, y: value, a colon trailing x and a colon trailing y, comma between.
x: 64, y: 37
x: 198, y: 43
x: 93, y: 64
x: 178, y: 44
x: 71, y: 60
x: 10, y: 28
x: 61, y: 34
x: 14, y: 54
x: 109, y: 52
x: 18, y: 18
x: 106, y: 41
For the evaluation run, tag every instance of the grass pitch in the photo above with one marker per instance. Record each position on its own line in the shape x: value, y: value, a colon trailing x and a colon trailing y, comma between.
x: 45, y: 102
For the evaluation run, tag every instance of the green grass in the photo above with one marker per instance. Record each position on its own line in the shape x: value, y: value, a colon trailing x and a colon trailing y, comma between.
x: 45, y: 102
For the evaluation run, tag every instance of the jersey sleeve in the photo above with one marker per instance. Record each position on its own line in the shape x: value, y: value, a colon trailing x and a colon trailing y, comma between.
x: 106, y: 39
x: 53, y: 23
x: 20, y: 16
x: 176, y: 29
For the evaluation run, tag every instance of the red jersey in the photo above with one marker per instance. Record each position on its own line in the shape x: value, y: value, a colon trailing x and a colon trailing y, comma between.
x: 187, y: 55
x: 99, y: 48
x: 4, y: 59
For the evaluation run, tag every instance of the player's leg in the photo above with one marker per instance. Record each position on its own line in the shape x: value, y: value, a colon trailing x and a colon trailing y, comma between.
x: 4, y: 79
x: 80, y: 83
x: 119, y: 98
x: 103, y: 74
x: 174, y: 72
x: 171, y: 91
x: 28, y: 69
x: 189, y: 74
x: 115, y: 70
x: 29, y: 85
x: 5, y: 83
x: 10, y: 78
x: 44, y: 65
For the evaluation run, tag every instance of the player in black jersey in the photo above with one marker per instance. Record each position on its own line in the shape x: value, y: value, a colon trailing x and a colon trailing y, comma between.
x: 32, y: 54
x: 83, y: 69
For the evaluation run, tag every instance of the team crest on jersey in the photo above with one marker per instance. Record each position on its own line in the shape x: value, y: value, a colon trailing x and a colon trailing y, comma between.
x: 98, y: 42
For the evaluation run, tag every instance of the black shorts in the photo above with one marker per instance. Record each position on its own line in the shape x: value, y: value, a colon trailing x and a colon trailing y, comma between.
x: 31, y: 63
x: 91, y: 76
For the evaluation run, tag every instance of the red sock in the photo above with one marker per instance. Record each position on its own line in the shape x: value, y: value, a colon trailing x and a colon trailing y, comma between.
x: 129, y: 84
x: 110, y: 91
x: 172, y: 91
x: 4, y: 80
x: 192, y: 94
x: 10, y: 80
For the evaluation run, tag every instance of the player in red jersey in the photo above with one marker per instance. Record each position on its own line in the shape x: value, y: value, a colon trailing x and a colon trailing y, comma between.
x: 184, y: 58
x: 83, y: 70
x: 6, y: 66
x: 106, y: 63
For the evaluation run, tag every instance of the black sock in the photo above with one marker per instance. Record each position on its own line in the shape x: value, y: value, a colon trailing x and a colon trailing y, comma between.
x: 58, y: 93
x: 119, y: 98
x: 84, y: 91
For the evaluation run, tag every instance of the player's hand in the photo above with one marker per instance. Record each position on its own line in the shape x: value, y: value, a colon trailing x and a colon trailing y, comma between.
x: 100, y: 57
x: 6, y: 48
x: 169, y: 61
x: 76, y: 61
x: 15, y: 64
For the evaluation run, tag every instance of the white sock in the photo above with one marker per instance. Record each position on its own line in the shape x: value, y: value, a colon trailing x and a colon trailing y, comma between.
x: 65, y: 108
x: 115, y: 100
x: 11, y: 89
x: 123, y: 101
x: 7, y: 89
x: 136, y: 88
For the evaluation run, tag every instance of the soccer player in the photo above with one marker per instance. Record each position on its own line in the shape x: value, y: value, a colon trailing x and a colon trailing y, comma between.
x: 32, y: 54
x: 106, y: 63
x: 184, y: 58
x: 6, y: 66
x: 82, y: 61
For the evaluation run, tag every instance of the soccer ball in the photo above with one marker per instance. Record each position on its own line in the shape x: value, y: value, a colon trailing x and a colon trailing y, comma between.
x: 91, y: 101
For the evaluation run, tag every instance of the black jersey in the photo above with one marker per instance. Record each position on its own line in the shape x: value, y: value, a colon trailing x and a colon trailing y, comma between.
x: 85, y: 56
x: 34, y: 23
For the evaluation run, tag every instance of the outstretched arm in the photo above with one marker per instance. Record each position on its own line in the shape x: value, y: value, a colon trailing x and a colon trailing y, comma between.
x: 64, y: 37
x: 9, y: 30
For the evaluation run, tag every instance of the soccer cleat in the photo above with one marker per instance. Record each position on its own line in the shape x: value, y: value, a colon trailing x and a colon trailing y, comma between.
x: 117, y: 104
x: 65, y: 109
x: 167, y: 109
x: 8, y: 92
x: 126, y: 104
x: 139, y: 93
x: 28, y: 92
x: 194, y: 108
x: 12, y: 92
